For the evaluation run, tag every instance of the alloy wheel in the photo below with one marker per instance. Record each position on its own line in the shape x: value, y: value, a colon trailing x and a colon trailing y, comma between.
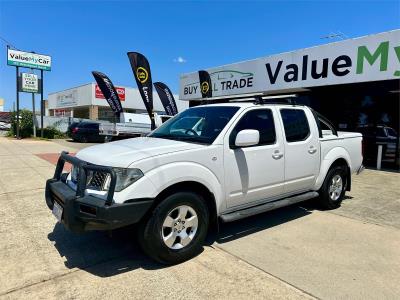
x: 179, y: 227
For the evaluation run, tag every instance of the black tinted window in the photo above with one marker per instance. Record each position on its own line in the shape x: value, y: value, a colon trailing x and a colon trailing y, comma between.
x: 90, y: 125
x: 296, y: 124
x: 261, y: 120
x: 380, y: 132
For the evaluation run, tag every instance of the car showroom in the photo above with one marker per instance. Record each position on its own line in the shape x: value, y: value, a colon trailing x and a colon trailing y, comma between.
x: 354, y: 83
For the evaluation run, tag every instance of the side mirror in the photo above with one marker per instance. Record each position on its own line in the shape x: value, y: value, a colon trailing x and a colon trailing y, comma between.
x: 247, y: 137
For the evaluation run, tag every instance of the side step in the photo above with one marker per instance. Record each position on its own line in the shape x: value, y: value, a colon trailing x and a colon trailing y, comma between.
x: 254, y: 210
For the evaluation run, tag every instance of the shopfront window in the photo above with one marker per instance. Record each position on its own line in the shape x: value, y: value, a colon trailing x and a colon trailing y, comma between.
x: 369, y: 108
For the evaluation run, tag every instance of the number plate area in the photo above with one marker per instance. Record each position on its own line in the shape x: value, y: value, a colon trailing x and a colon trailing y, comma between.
x: 57, y: 211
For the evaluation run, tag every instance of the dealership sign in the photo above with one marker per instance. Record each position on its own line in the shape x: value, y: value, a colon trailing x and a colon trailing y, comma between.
x: 29, y: 83
x: 370, y: 58
x: 120, y: 92
x: 28, y: 60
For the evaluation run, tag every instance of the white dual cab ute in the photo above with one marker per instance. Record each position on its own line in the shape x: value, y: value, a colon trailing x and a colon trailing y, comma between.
x: 210, y: 163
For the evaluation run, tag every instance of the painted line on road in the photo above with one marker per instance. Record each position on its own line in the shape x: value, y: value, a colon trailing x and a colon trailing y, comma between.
x: 21, y: 191
x: 110, y: 260
x: 215, y: 246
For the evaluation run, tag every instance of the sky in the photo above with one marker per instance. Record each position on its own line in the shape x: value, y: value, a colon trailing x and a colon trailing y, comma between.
x: 176, y: 36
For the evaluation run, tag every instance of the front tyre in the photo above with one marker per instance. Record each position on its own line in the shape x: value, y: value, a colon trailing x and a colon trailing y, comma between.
x: 177, y: 228
x: 334, y: 187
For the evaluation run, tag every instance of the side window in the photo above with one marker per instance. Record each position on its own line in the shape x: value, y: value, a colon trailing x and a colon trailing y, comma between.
x: 296, y: 124
x: 259, y: 119
x: 93, y: 126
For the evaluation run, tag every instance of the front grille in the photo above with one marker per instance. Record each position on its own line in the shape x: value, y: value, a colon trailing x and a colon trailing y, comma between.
x: 96, y: 180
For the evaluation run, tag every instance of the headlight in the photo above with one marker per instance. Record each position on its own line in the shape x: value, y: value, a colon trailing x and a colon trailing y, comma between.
x: 74, y: 174
x: 125, y: 177
x: 97, y: 180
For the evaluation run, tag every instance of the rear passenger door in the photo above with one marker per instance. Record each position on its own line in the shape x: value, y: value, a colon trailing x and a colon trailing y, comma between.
x: 302, y: 153
x: 256, y: 172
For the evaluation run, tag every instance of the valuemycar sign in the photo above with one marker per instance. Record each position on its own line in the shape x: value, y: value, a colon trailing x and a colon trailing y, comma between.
x: 28, y: 60
x: 370, y: 58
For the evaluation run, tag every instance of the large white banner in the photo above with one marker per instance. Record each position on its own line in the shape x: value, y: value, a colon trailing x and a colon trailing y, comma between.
x: 370, y: 58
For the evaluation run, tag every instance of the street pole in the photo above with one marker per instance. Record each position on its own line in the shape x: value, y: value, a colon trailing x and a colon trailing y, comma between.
x: 41, y: 103
x: 33, y: 115
x: 17, y: 69
x: 33, y: 112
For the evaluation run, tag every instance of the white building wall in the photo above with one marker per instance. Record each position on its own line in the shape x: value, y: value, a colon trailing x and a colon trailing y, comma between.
x: 79, y: 96
x: 85, y: 95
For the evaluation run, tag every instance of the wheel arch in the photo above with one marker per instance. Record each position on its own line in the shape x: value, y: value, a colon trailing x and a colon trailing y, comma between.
x: 196, y: 187
x: 342, y: 162
x: 339, y: 157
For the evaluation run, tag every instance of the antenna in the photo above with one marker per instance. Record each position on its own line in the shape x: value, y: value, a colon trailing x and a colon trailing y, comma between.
x: 335, y: 35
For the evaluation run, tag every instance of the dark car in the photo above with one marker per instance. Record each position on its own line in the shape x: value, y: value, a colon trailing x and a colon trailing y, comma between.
x: 373, y: 137
x: 86, y: 132
x: 72, y: 125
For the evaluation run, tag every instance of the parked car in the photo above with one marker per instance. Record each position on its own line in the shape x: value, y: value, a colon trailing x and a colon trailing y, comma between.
x: 85, y: 132
x: 211, y: 163
x: 5, y: 120
x: 373, y: 136
x: 72, y: 125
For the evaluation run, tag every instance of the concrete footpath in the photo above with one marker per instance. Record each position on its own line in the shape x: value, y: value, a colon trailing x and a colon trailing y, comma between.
x: 295, y: 252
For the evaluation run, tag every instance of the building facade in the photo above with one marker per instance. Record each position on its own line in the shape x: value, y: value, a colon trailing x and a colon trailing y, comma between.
x: 355, y: 83
x: 87, y: 102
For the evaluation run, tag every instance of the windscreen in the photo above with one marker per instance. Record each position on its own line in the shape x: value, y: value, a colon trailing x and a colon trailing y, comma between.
x: 199, y: 124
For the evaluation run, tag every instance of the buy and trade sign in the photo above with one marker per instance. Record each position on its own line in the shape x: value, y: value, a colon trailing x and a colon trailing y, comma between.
x: 371, y: 58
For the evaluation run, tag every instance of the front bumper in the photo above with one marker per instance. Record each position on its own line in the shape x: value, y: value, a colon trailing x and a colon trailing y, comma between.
x: 85, y: 212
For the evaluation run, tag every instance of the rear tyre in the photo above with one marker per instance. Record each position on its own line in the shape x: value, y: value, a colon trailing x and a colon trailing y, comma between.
x: 176, y: 230
x: 334, y: 187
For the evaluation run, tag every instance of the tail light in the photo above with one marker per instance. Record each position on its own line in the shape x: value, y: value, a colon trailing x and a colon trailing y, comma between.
x: 75, y: 130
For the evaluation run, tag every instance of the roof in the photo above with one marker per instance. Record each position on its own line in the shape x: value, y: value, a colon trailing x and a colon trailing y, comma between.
x: 248, y: 104
x: 5, y: 116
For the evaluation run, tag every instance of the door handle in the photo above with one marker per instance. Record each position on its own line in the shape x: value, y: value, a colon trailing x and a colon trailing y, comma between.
x: 277, y: 155
x: 312, y: 150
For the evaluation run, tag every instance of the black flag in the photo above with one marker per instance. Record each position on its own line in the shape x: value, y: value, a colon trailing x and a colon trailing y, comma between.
x: 141, y: 70
x: 205, y: 84
x: 166, y: 97
x: 109, y: 92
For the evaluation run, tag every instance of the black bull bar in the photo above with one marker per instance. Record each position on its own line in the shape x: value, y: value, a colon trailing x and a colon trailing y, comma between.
x: 84, y: 167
